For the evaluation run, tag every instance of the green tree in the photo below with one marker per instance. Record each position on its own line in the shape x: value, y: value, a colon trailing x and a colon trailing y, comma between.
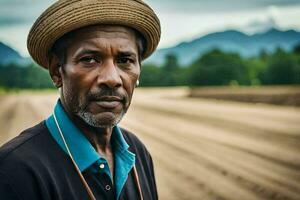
x: 11, y: 76
x: 218, y: 68
x: 296, y: 49
x: 171, y: 71
x: 151, y: 75
x: 255, y: 68
x: 282, y: 68
x: 31, y: 76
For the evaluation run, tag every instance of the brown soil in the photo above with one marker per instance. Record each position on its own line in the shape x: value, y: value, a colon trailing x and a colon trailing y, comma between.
x: 202, y: 149
x: 278, y: 95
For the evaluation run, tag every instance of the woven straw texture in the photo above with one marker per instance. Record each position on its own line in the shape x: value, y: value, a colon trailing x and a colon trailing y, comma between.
x: 68, y: 15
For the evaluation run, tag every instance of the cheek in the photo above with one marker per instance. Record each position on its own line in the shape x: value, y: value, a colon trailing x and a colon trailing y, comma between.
x: 69, y: 94
x: 75, y: 87
x: 130, y: 78
x: 135, y: 74
x: 130, y: 82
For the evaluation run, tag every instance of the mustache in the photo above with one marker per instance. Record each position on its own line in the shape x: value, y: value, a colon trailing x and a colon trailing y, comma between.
x: 97, y: 95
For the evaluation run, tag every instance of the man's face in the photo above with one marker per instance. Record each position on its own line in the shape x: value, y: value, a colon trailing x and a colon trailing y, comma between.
x: 99, y: 74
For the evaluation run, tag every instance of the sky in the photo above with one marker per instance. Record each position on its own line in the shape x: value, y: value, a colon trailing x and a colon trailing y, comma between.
x: 181, y: 20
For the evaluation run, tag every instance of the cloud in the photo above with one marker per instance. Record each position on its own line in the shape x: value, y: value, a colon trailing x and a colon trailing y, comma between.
x: 203, y: 16
x: 21, y: 11
x: 208, y: 6
x: 8, y: 21
x: 26, y: 11
x: 260, y: 25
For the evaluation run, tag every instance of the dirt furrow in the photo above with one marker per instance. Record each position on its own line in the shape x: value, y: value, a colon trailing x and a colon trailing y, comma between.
x: 185, y: 130
x: 8, y: 108
x: 246, y: 140
x: 263, y: 112
x: 23, y: 117
x: 263, y: 181
x: 229, y: 121
x: 281, y: 151
x: 178, y: 98
x: 193, y: 169
x: 235, y: 119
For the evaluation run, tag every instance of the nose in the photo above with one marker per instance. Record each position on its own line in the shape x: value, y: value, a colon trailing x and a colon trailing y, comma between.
x: 109, y: 75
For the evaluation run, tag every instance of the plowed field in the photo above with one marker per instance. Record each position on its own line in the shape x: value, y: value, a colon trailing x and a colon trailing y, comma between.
x: 202, y: 149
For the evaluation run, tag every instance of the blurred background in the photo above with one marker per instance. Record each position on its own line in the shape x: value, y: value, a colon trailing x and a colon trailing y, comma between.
x: 218, y: 105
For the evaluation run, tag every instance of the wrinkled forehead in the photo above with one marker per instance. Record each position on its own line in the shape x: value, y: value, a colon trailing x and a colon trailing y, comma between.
x: 104, y: 31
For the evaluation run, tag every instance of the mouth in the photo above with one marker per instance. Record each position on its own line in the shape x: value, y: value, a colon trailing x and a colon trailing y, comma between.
x: 108, y: 102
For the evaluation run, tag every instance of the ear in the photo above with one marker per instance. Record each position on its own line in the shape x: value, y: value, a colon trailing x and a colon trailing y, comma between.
x: 55, y: 71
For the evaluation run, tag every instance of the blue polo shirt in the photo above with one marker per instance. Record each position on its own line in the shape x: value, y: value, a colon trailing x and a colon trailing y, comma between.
x: 84, y: 153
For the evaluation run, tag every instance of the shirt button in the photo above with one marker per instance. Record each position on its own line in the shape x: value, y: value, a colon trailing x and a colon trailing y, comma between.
x: 107, y: 187
x: 101, y: 166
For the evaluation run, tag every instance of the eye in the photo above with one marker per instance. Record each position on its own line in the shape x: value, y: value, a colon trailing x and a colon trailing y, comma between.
x: 88, y: 60
x: 125, y: 60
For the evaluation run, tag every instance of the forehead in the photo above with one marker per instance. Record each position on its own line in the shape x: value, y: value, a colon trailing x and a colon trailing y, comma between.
x: 108, y: 31
x: 120, y: 36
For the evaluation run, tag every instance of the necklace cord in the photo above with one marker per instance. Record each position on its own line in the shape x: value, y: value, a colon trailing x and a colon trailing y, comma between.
x: 87, y: 187
x: 136, y: 177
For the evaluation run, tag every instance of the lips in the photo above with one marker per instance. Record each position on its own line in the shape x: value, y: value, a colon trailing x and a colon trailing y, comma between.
x: 108, y: 102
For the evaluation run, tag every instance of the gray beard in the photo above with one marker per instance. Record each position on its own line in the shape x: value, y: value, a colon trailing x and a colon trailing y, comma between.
x: 90, y: 119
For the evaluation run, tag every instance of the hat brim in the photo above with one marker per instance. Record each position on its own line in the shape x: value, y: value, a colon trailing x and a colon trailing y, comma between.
x: 65, y: 16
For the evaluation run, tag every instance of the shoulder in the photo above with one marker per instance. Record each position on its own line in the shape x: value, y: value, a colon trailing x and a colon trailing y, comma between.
x: 26, y: 163
x: 18, y: 161
x: 18, y: 143
x: 26, y: 149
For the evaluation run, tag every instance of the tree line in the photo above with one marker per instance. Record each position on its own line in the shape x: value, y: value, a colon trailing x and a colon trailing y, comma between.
x: 217, y: 68
x: 13, y: 76
x: 214, y: 68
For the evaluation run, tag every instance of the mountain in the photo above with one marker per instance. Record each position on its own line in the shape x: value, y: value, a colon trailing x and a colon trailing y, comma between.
x: 9, y: 55
x: 229, y: 41
x: 187, y: 52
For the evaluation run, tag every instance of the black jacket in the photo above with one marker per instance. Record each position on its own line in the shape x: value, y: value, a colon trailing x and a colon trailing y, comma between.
x: 34, y: 167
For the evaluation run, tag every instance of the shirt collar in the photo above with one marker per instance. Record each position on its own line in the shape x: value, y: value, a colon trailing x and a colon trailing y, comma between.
x: 81, y: 149
x: 124, y: 160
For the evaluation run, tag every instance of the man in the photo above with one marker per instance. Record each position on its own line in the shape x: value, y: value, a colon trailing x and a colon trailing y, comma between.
x: 93, y: 50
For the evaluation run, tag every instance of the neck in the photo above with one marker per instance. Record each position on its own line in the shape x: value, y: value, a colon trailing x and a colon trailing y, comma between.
x: 99, y: 137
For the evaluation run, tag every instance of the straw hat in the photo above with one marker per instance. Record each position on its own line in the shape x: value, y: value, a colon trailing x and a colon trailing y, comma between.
x: 67, y: 15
